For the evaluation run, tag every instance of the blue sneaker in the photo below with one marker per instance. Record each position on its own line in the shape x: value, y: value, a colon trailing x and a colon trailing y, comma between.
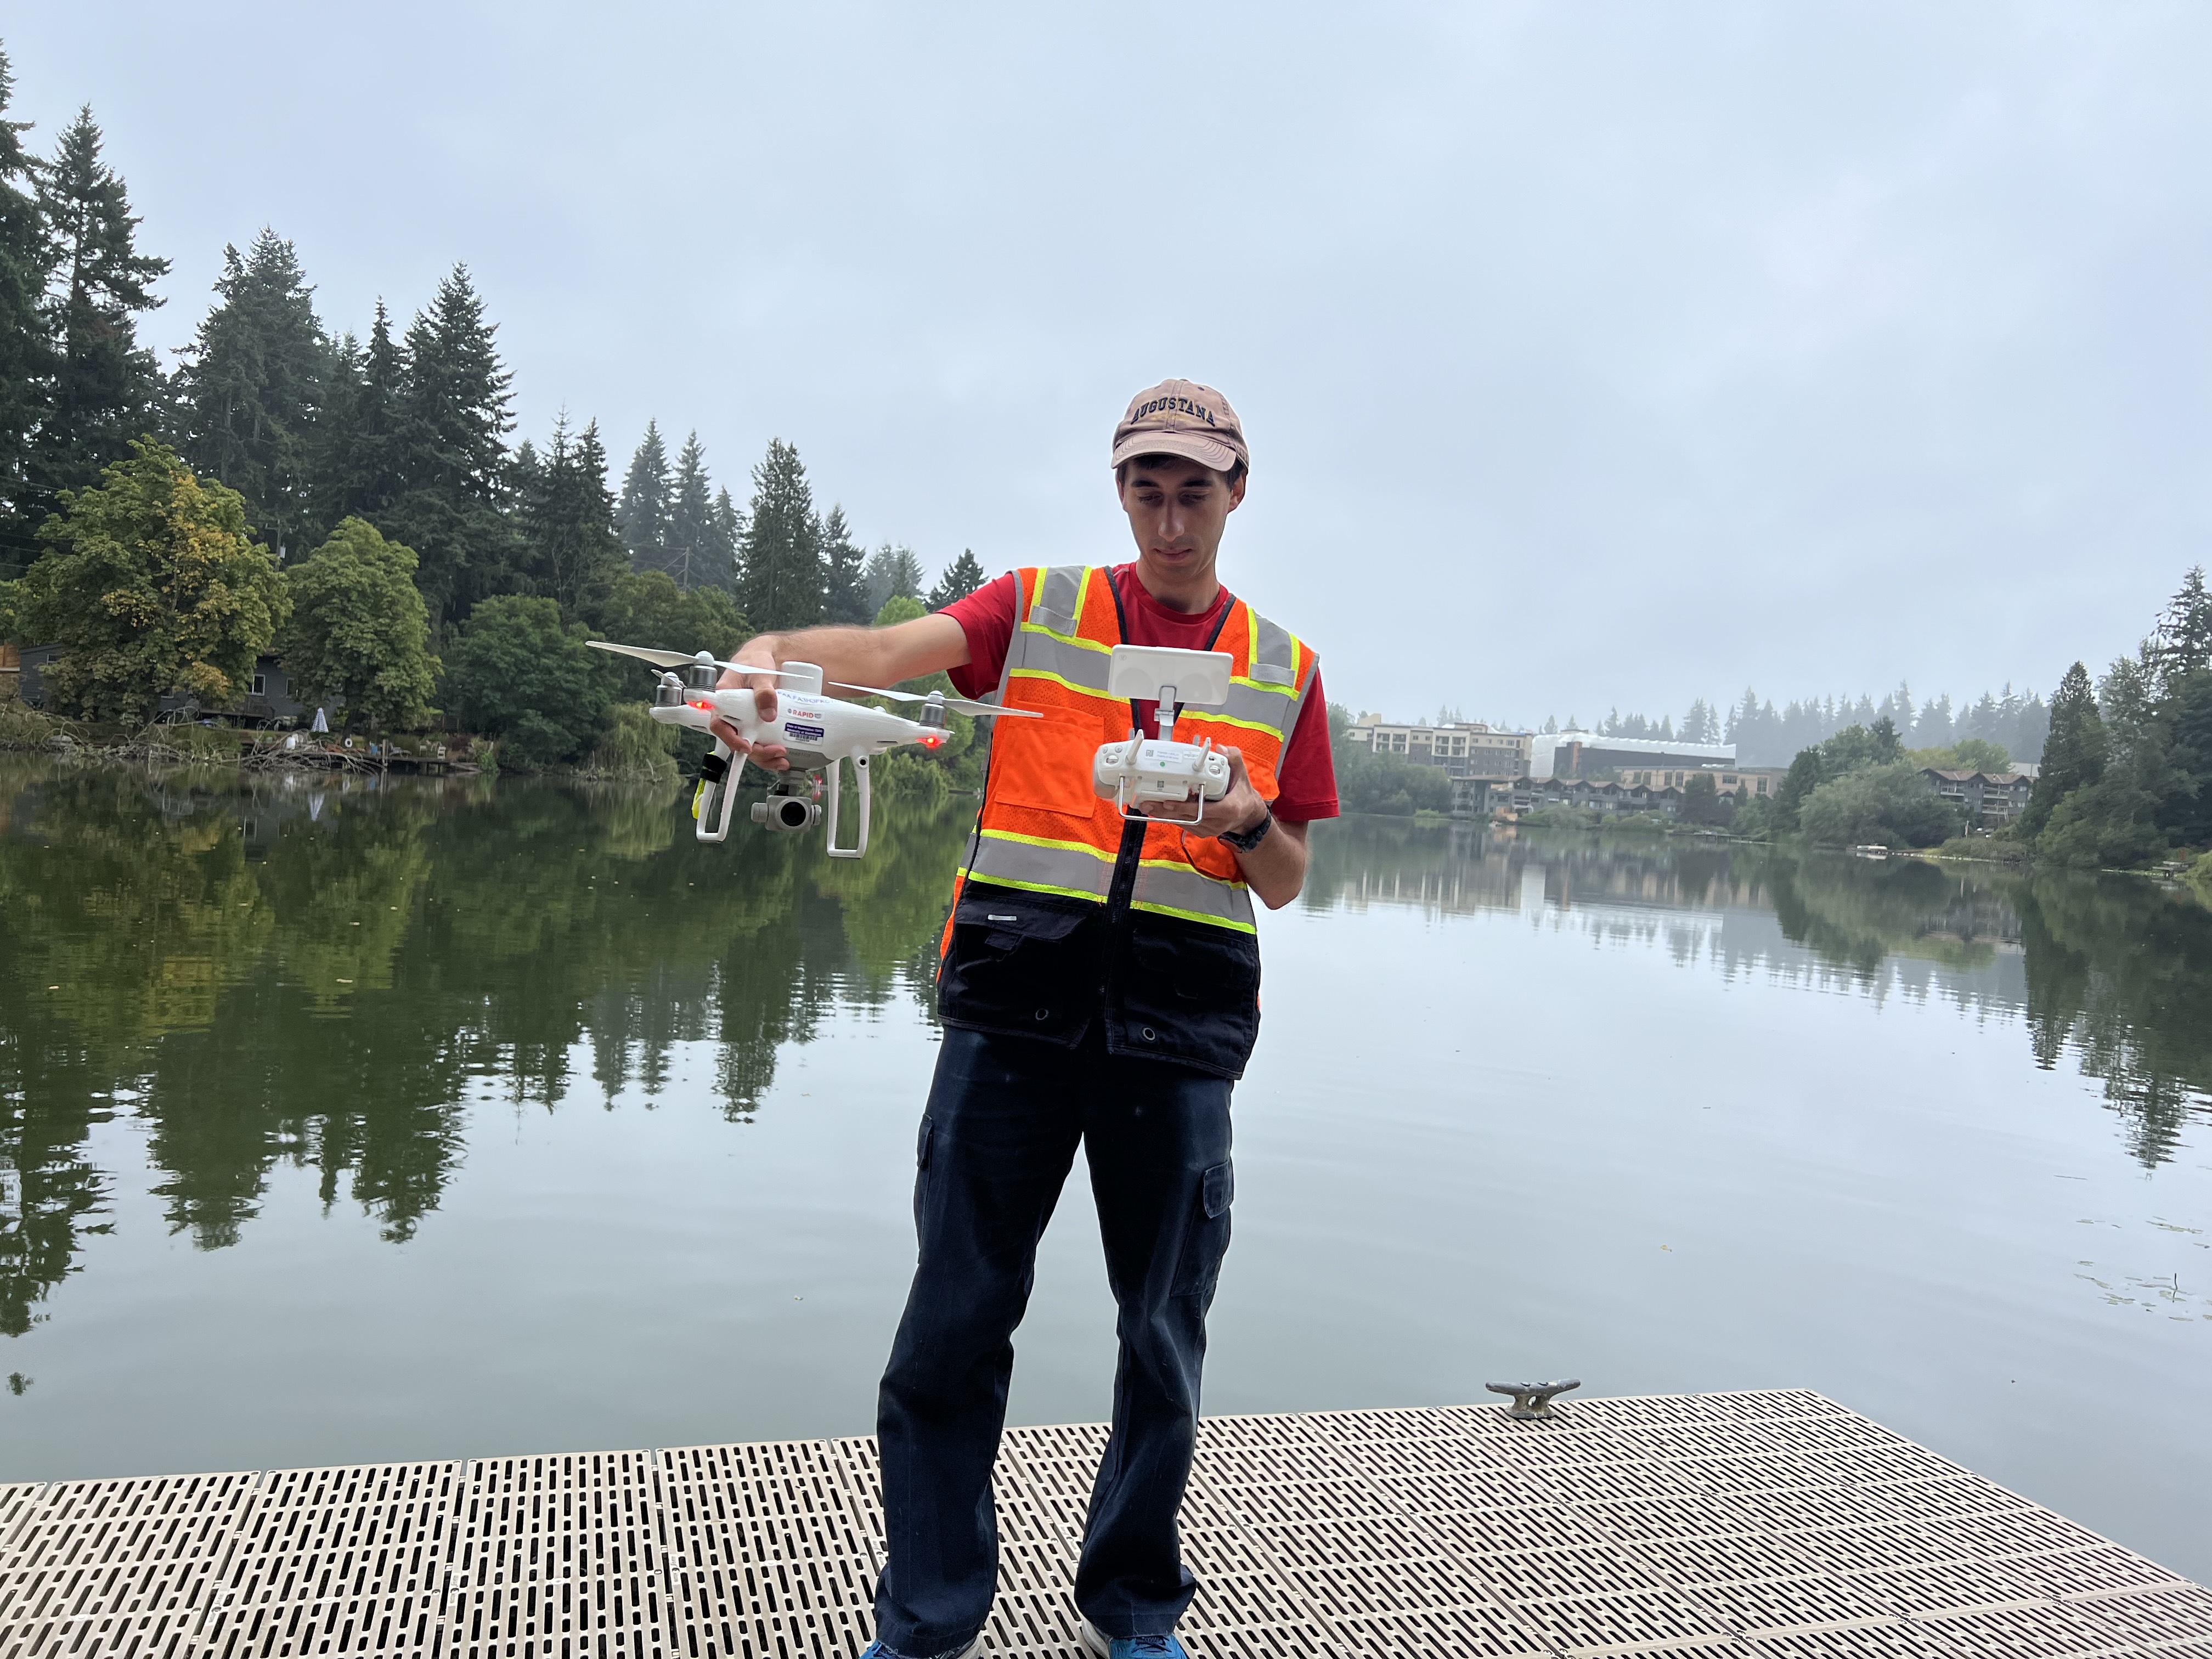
x: 1129, y: 1647
x: 878, y: 1650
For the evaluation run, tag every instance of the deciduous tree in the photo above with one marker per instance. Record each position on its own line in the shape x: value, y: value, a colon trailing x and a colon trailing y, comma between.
x: 517, y: 673
x: 1891, y: 805
x: 359, y: 634
x: 153, y: 587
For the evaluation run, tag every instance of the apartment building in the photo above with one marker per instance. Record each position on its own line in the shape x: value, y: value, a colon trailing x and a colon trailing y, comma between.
x: 1465, y: 748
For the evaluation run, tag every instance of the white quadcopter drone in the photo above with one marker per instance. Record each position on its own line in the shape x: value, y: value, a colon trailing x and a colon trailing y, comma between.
x: 819, y: 733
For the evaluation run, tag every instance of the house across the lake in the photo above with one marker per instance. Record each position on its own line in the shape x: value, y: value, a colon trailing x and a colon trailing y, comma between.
x: 1988, y: 799
x: 267, y: 700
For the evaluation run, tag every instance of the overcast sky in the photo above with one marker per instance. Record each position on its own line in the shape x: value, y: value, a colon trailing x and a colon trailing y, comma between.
x: 1590, y: 354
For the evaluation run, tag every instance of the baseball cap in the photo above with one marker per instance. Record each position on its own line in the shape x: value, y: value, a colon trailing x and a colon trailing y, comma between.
x: 1182, y: 418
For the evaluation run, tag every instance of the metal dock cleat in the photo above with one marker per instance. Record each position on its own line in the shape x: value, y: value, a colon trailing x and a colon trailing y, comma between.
x: 1532, y: 1401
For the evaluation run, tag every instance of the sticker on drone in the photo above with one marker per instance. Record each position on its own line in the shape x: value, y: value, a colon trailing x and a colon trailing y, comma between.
x: 803, y: 733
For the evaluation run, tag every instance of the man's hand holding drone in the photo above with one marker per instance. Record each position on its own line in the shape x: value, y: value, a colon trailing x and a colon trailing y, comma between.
x: 769, y: 756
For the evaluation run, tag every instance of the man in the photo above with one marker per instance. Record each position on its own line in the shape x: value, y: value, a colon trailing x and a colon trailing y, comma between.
x: 1099, y: 984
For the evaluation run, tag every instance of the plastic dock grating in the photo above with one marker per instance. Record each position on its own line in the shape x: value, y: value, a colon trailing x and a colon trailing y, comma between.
x: 1753, y: 1526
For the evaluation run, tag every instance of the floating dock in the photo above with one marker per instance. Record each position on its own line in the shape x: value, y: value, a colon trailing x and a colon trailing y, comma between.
x: 1774, y: 1525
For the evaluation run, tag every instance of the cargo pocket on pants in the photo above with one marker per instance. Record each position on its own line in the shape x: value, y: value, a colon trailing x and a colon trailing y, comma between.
x: 1207, y: 1240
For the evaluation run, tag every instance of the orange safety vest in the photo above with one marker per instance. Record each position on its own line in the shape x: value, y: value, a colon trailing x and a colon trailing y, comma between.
x: 1044, y: 826
x: 1178, y: 969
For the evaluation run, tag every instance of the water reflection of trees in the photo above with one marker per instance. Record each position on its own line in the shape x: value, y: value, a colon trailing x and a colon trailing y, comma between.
x: 2117, y: 970
x: 325, y: 976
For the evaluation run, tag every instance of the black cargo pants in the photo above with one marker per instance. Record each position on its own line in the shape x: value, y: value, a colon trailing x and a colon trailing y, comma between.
x: 1006, y: 1114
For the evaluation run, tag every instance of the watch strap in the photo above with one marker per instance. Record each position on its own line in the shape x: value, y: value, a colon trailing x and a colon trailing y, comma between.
x: 1245, y: 839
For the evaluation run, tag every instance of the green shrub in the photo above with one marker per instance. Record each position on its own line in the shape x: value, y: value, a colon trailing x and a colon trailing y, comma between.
x: 22, y: 726
x: 1889, y: 806
x: 2200, y: 878
x: 206, y: 742
x: 1995, y: 849
x: 1563, y: 817
x: 634, y: 745
x: 2105, y: 825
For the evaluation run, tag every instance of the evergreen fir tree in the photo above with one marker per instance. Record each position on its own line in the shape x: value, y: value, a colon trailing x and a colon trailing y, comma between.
x: 642, y: 517
x: 2183, y: 642
x: 779, y: 560
x: 962, y: 577
x: 104, y: 383
x: 26, y: 350
x: 698, y: 557
x: 2073, y: 755
x: 568, y: 515
x: 891, y: 572
x: 729, y: 530
x: 252, y: 384
x: 357, y: 441
x: 450, y: 457
x: 1934, y: 729
x: 844, y: 576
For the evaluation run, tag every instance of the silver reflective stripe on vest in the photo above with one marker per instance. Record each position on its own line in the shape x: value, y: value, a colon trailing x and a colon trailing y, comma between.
x: 1059, y: 601
x: 1016, y: 863
x: 1271, y: 709
x: 1181, y: 890
x: 1083, y: 667
x: 1274, y: 657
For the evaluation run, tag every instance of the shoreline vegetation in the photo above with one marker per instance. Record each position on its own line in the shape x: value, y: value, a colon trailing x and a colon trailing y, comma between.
x: 354, y: 506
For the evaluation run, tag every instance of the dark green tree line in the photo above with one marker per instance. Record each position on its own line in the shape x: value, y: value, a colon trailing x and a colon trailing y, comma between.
x: 383, y: 451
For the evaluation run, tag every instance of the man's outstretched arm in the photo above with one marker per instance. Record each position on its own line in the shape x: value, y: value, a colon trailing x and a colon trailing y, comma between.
x: 854, y: 656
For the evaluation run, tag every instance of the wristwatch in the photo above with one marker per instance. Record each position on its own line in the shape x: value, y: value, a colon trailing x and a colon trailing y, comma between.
x: 1245, y: 839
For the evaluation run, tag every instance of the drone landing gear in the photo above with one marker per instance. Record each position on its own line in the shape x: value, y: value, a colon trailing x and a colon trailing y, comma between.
x: 717, y: 776
x: 861, y: 780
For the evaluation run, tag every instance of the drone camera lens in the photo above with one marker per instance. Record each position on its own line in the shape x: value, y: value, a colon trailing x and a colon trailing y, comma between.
x: 794, y: 814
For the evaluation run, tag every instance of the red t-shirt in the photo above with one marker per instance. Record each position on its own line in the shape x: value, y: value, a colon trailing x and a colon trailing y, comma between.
x: 1307, y: 777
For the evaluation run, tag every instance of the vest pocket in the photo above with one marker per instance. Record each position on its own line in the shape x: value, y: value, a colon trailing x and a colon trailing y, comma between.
x: 1189, y: 993
x: 1045, y: 765
x: 1020, y: 963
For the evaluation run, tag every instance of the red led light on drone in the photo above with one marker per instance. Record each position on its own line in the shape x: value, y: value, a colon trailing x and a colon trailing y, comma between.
x: 933, y: 739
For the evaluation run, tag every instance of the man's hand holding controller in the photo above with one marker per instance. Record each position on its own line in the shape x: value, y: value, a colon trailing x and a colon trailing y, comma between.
x: 1239, y: 810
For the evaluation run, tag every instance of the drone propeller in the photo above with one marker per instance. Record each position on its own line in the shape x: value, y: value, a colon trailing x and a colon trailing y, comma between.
x: 696, y: 659
x: 959, y: 705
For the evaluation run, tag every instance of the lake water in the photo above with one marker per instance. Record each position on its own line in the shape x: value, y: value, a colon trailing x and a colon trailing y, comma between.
x: 351, y: 1123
